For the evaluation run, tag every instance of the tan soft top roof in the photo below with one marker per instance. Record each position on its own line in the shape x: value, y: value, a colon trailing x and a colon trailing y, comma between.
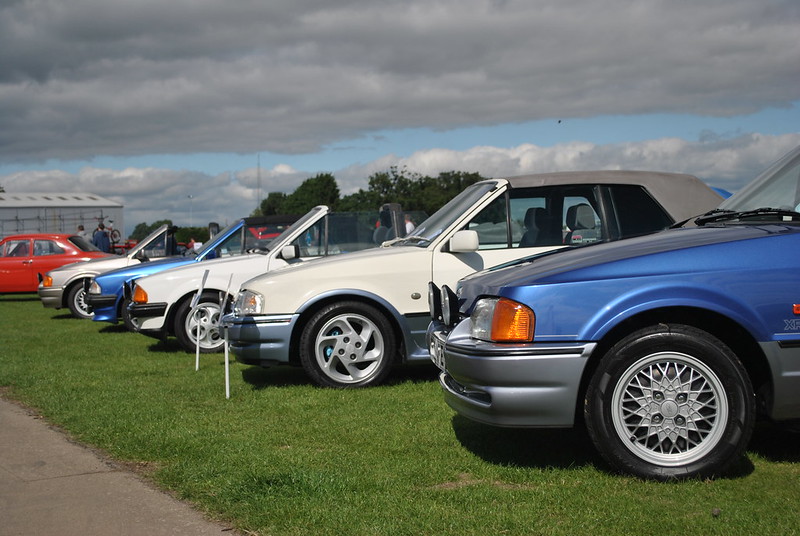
x: 683, y: 196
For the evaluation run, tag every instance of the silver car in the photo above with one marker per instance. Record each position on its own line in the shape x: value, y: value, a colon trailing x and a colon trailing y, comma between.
x: 64, y: 286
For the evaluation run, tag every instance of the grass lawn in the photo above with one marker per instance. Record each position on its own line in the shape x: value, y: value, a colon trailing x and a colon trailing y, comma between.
x: 282, y: 456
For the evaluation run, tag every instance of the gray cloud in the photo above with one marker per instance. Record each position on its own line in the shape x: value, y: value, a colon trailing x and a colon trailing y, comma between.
x: 155, y: 194
x: 105, y: 77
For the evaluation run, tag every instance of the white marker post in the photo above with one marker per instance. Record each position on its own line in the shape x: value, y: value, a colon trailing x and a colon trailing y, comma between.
x: 225, y: 332
x: 195, y: 302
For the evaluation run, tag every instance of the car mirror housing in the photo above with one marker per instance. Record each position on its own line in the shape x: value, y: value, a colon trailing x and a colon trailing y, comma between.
x: 290, y: 252
x: 464, y: 242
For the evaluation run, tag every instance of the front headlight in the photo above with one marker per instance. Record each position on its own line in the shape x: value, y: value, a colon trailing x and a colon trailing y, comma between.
x: 502, y: 320
x: 94, y: 288
x: 248, y: 303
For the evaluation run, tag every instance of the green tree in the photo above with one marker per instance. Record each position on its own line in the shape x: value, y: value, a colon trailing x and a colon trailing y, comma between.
x: 185, y: 234
x: 318, y: 190
x: 272, y: 205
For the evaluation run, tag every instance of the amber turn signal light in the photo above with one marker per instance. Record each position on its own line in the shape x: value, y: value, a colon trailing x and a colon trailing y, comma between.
x: 139, y: 295
x: 512, y: 322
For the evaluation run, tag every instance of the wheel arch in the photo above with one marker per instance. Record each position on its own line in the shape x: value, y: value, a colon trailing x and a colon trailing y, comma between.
x: 172, y: 309
x: 724, y: 328
x: 310, y: 308
x: 72, y: 283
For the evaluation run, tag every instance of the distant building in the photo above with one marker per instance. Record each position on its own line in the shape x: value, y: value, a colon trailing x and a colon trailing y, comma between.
x: 22, y: 212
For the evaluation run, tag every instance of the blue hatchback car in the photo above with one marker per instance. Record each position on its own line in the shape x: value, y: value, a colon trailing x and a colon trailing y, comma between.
x: 108, y: 291
x: 667, y: 346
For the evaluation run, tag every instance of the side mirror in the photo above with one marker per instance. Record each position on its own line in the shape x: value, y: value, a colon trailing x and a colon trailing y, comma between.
x: 464, y: 242
x: 290, y: 252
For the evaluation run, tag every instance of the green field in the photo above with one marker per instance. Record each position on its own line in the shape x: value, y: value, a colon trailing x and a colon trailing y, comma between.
x: 282, y: 456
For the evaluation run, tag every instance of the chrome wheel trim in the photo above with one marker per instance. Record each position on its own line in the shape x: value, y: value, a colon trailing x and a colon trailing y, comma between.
x: 79, y: 301
x: 349, y: 348
x: 203, y: 323
x: 669, y: 409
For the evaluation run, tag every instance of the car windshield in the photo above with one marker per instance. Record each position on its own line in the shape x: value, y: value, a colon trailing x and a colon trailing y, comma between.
x: 773, y: 195
x: 214, y: 242
x: 302, y: 222
x: 147, y: 240
x: 83, y: 244
x: 443, y: 218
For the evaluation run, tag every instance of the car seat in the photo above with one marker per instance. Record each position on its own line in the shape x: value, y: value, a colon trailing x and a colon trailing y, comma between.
x: 580, y: 220
x: 532, y: 216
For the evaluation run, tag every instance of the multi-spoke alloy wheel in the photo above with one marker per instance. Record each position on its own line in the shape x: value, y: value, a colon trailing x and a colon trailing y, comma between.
x: 671, y: 407
x: 670, y: 401
x: 76, y: 301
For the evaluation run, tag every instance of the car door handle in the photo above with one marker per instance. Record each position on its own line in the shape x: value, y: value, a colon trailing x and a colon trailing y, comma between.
x: 27, y: 262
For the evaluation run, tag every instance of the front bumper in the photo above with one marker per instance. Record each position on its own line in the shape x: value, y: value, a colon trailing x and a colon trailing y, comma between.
x: 104, y: 307
x: 262, y: 340
x: 142, y: 311
x: 151, y: 319
x: 525, y: 385
x: 51, y: 297
x: 98, y: 301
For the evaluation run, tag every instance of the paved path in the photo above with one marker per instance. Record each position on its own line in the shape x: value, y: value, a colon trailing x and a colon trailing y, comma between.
x: 52, y: 486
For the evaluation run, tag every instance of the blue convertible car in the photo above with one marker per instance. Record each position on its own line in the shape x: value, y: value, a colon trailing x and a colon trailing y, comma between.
x: 668, y: 346
x: 108, y: 292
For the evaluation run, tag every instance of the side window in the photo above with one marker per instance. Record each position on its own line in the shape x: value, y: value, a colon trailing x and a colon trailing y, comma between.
x: 491, y: 225
x: 556, y: 215
x: 15, y: 248
x: 636, y: 211
x: 529, y: 217
x: 46, y: 247
x: 312, y: 242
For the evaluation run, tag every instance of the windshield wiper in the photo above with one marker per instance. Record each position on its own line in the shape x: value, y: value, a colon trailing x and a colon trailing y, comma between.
x: 717, y: 215
x: 410, y: 239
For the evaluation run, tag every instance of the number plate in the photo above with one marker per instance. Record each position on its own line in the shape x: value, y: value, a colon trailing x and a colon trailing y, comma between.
x: 437, y: 349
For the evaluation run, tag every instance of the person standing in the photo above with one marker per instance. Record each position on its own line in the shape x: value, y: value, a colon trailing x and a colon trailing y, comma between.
x: 409, y: 224
x: 100, y: 239
x: 82, y: 232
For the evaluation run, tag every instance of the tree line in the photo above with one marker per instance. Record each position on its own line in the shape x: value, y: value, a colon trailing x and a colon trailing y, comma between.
x: 414, y: 192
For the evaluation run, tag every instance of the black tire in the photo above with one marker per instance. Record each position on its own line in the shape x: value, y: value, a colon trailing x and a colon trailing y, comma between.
x: 130, y: 322
x: 348, y: 345
x: 206, y: 317
x: 76, y: 301
x: 670, y: 402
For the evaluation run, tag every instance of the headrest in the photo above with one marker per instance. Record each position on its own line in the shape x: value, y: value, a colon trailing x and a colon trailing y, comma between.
x: 580, y: 216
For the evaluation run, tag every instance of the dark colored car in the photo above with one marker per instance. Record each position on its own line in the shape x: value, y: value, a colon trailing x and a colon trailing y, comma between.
x: 668, y: 346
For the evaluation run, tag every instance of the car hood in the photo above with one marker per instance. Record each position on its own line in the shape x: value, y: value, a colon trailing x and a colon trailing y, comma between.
x: 143, y: 269
x: 672, y: 251
x: 223, y: 265
x: 381, y: 259
x: 96, y: 266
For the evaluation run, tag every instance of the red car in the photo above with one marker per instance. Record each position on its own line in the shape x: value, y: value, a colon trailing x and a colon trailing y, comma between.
x: 26, y: 257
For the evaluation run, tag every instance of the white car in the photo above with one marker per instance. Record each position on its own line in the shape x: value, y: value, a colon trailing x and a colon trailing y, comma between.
x: 161, y: 303
x: 64, y: 286
x: 348, y: 319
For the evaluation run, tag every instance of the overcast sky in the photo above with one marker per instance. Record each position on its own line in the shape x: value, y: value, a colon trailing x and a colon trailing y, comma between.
x: 151, y: 101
